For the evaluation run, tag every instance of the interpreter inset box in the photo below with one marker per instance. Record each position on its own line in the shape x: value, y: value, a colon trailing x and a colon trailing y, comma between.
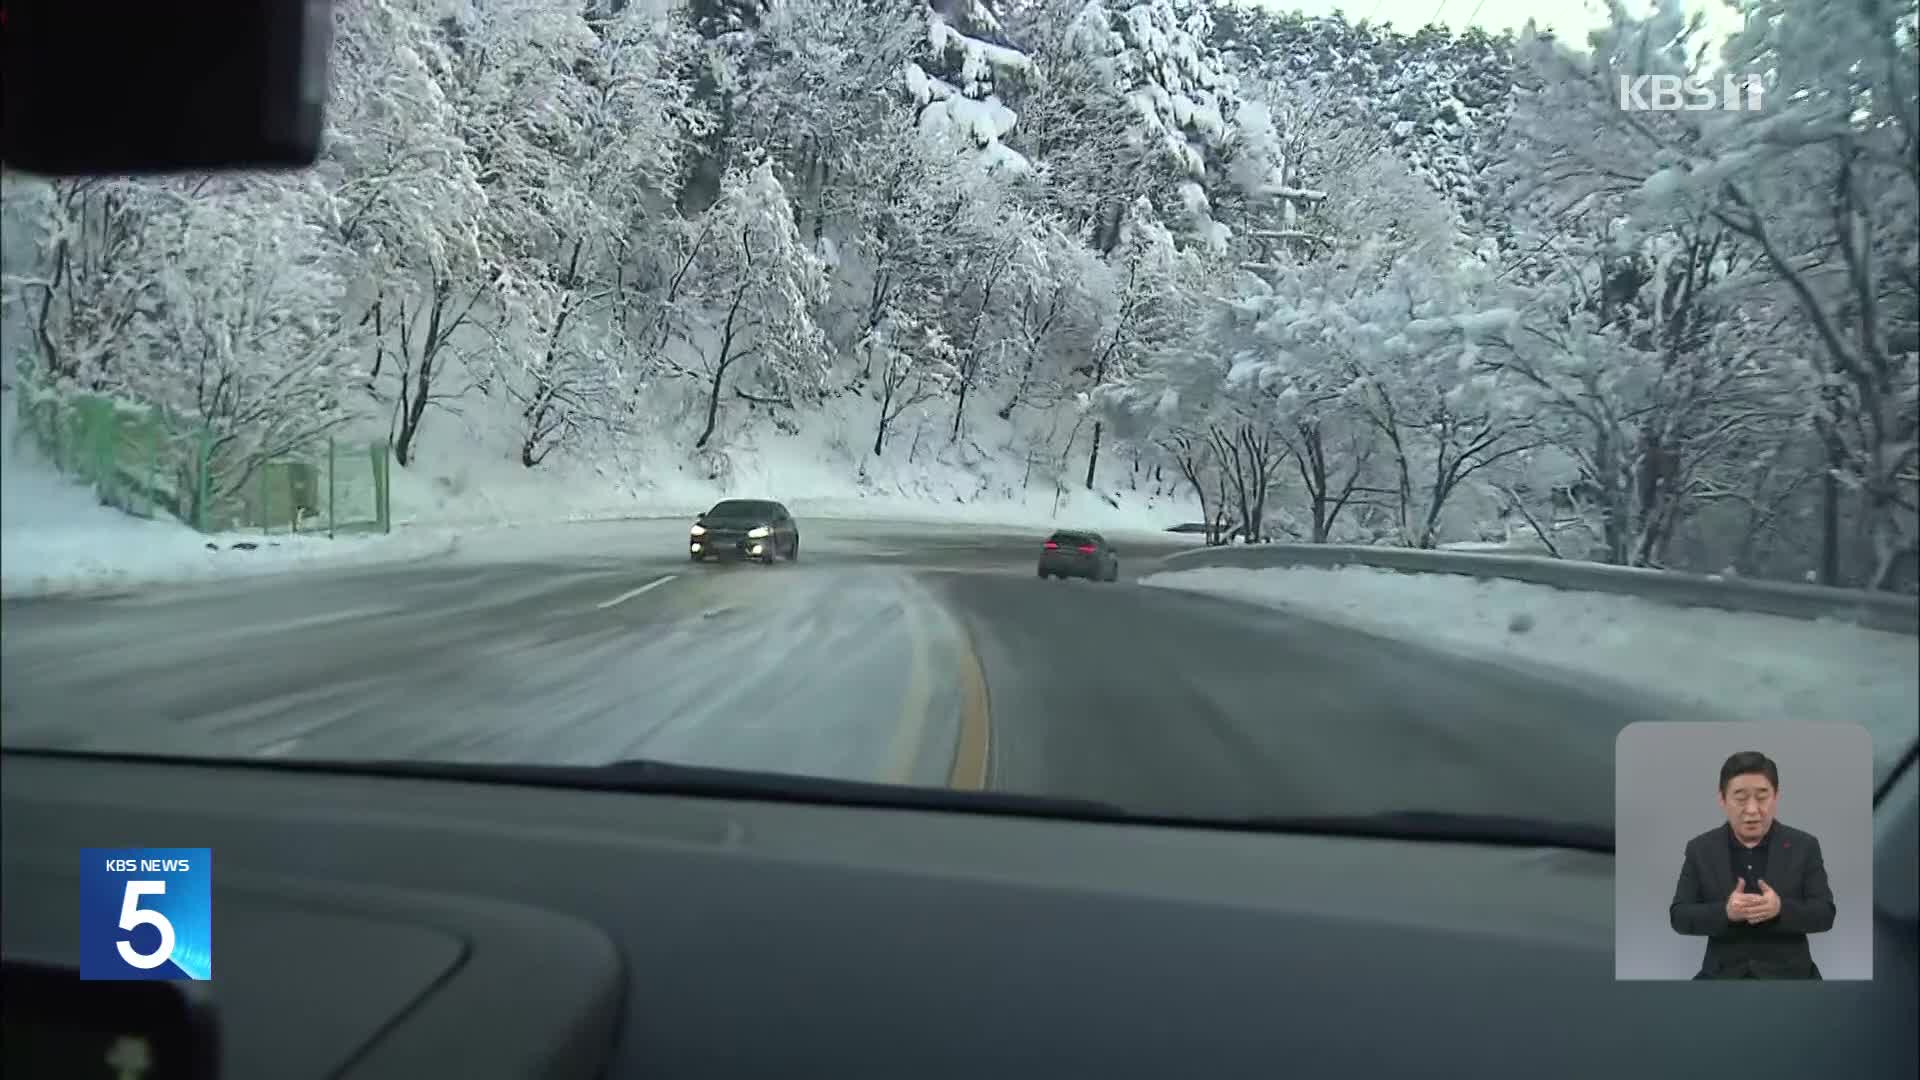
x: 1743, y: 851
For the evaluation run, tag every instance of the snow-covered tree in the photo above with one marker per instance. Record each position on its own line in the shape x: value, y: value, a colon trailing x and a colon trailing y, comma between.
x: 1058, y: 322
x: 1842, y: 107
x: 406, y: 199
x: 216, y: 301
x: 912, y: 364
x: 1444, y: 415
x: 1004, y: 259
x: 823, y: 77
x: 1160, y: 294
x: 1439, y: 100
x: 962, y: 82
x: 1818, y: 186
x: 1157, y: 55
x: 743, y: 301
x: 1174, y: 356
x: 245, y: 334
x: 714, y: 38
x: 1080, y: 131
x: 571, y: 123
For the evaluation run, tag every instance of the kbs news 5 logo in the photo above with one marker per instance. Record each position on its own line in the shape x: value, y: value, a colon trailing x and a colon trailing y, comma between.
x: 146, y: 913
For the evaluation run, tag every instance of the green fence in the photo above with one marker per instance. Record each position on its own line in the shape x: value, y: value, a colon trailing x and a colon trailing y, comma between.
x: 150, y: 463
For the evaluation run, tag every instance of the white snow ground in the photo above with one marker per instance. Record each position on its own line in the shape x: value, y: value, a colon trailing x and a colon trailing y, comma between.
x: 56, y: 537
x: 1719, y: 664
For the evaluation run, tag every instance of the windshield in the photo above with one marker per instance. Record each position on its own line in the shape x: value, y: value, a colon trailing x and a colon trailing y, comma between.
x: 736, y: 508
x: 1448, y: 399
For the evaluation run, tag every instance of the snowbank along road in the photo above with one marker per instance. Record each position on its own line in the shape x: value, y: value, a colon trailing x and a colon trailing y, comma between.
x: 914, y: 654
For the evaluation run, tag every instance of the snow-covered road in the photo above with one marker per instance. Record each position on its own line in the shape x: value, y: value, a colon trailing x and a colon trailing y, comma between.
x: 929, y: 654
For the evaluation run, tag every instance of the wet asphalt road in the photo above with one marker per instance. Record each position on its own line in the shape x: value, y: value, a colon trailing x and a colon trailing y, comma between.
x: 924, y: 655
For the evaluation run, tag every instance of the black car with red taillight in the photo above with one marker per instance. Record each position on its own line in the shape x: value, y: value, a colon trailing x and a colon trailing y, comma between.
x: 1079, y: 553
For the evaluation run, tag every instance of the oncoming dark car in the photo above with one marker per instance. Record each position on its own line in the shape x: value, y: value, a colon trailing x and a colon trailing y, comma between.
x: 1081, y: 554
x: 744, y: 529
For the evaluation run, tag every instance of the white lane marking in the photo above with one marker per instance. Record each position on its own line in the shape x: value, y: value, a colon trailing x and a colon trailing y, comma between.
x: 631, y: 593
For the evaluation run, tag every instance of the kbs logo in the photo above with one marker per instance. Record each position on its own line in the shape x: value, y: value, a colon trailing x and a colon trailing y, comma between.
x: 146, y: 913
x: 1678, y: 93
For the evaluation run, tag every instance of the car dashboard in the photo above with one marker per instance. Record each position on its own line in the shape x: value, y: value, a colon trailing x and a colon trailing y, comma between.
x: 378, y: 926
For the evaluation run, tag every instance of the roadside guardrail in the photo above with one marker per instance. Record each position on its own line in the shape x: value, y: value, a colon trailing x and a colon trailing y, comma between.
x: 1894, y: 612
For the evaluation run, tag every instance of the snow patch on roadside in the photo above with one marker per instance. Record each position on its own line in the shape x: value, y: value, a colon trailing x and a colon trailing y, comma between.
x: 1725, y: 665
x: 104, y: 554
x: 55, y: 537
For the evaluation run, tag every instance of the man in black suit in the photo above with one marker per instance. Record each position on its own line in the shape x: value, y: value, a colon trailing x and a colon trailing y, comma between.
x: 1754, y: 888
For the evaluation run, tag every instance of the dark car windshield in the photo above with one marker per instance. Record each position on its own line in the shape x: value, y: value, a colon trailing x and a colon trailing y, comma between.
x: 1066, y: 539
x: 741, y: 508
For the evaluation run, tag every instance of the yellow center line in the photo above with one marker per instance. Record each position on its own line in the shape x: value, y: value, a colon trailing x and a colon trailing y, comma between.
x: 970, y: 757
x: 912, y: 731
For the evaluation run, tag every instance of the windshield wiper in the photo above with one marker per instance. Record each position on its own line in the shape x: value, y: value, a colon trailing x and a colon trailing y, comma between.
x: 645, y: 775
x: 651, y: 776
x: 1419, y: 825
x: 1504, y: 830
x: 665, y: 777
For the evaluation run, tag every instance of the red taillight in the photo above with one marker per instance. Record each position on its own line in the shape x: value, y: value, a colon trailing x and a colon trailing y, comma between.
x: 1051, y: 546
x: 1087, y: 549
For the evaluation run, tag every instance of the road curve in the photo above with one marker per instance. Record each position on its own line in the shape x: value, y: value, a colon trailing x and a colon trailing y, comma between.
x: 909, y: 654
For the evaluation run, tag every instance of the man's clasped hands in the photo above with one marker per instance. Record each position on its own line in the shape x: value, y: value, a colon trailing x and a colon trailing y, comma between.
x: 1752, y: 908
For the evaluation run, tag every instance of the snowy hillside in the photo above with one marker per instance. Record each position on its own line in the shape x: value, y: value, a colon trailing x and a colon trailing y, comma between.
x: 1122, y: 262
x: 471, y: 474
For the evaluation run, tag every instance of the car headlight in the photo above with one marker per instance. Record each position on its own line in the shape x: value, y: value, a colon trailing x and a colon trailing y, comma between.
x: 758, y: 532
x: 699, y: 530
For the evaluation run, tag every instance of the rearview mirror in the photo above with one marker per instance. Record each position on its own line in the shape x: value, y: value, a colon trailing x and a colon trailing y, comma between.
x: 154, y: 88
